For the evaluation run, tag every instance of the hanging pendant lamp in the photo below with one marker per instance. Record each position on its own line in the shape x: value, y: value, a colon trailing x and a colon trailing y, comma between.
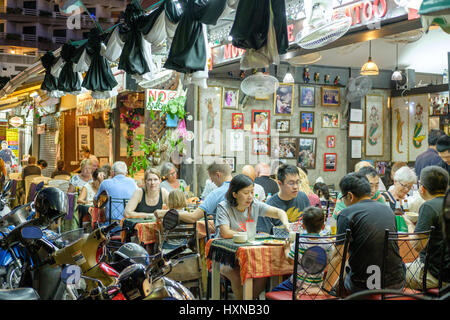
x: 370, y: 68
x: 397, y: 74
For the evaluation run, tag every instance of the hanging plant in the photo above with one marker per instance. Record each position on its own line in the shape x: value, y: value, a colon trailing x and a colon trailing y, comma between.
x: 131, y: 118
x: 174, y: 107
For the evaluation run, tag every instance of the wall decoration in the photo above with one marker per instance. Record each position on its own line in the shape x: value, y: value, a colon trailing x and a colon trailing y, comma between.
x: 260, y: 146
x: 83, y: 121
x: 418, y: 125
x: 381, y: 167
x: 230, y: 98
x: 231, y: 161
x: 236, y: 141
x: 101, y: 145
x: 356, y: 130
x: 356, y: 149
x: 261, y: 121
x: 330, y: 120
x: 329, y: 161
x: 439, y: 104
x: 237, y: 121
x: 286, y: 148
x: 84, y: 139
x: 306, y: 75
x: 283, y: 125
x: 331, y: 141
x: 375, y: 125
x: 307, y: 153
x: 400, y: 122
x: 283, y: 99
x: 307, y: 122
x: 331, y: 96
x: 210, y: 120
x: 307, y: 97
x: 356, y: 115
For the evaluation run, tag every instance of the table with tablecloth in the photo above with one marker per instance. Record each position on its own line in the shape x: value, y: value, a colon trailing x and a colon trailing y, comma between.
x: 255, y: 261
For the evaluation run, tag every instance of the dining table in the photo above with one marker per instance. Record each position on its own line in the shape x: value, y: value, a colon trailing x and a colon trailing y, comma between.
x: 261, y: 258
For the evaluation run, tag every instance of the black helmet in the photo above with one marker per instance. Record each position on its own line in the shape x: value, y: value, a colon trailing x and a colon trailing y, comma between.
x: 128, y: 254
x: 131, y: 281
x: 51, y: 203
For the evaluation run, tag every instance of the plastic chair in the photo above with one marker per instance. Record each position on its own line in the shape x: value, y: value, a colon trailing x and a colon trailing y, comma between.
x: 118, y: 204
x: 333, y: 244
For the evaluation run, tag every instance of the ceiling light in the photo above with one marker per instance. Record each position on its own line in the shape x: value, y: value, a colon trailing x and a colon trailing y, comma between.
x: 370, y: 68
x: 396, y: 75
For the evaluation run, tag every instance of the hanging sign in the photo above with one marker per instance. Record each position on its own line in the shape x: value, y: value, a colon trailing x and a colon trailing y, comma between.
x: 165, y: 96
x: 16, y: 121
x: 12, y: 136
x: 88, y: 105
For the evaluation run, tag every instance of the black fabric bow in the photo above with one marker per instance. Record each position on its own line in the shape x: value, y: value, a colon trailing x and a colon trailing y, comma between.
x: 50, y: 83
x: 68, y: 80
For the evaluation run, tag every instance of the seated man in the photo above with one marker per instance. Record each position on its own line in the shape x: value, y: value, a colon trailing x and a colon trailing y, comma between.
x: 31, y: 168
x: 118, y: 187
x: 313, y: 222
x: 289, y: 198
x: 249, y: 171
x: 433, y: 184
x: 367, y: 221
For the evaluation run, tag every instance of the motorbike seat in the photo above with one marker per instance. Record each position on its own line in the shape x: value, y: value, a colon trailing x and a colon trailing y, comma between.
x: 18, y: 294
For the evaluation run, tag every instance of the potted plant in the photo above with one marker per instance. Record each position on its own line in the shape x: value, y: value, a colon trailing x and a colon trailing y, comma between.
x: 174, y: 109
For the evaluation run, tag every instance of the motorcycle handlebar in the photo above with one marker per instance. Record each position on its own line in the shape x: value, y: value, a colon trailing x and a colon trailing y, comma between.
x: 175, y: 252
x: 107, y: 229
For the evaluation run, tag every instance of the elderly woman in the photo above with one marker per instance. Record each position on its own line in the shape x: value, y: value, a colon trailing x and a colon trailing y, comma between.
x: 232, y: 216
x: 85, y: 176
x: 145, y: 201
x: 169, y: 176
x: 89, y: 190
x: 404, y: 179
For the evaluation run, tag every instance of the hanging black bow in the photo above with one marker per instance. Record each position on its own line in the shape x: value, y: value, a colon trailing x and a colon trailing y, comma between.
x: 68, y: 80
x: 50, y: 83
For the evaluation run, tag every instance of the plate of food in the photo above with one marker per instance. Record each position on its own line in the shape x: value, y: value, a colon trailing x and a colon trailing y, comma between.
x: 273, y: 242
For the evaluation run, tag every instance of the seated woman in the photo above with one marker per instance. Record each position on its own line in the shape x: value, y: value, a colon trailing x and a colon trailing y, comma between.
x: 232, y: 215
x: 145, y: 201
x: 60, y: 170
x: 88, y: 191
x: 404, y: 179
x: 169, y: 176
x: 85, y: 176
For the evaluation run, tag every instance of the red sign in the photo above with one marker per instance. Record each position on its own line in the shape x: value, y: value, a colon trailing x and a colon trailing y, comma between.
x: 370, y: 10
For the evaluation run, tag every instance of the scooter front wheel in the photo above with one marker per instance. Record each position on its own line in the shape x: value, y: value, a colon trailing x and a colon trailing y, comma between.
x: 13, y: 276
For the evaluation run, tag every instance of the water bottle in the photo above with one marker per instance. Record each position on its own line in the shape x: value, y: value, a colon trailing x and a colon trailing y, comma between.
x: 268, y: 196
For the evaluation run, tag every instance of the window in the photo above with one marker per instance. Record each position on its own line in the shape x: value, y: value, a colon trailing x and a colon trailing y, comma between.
x: 59, y: 33
x: 29, y: 30
x: 29, y: 4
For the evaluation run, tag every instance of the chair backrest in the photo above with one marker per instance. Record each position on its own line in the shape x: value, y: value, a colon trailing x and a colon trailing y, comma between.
x: 334, y: 245
x: 28, y: 180
x: 62, y: 177
x: 13, y: 188
x: 71, y: 197
x: 208, y: 235
x: 409, y: 245
x: 39, y: 179
x: 116, y: 205
x: 60, y: 184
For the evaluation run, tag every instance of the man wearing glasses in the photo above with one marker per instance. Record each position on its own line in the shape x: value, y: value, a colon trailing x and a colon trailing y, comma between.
x: 289, y: 198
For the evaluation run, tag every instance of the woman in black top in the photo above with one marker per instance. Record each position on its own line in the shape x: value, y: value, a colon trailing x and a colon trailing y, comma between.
x: 145, y: 201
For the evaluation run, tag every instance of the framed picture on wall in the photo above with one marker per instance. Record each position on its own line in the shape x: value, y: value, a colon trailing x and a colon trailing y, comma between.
x: 306, y: 122
x: 283, y: 125
x: 375, y: 125
x: 329, y: 161
x: 331, y: 96
x: 210, y: 120
x: 261, y: 121
x: 286, y: 148
x: 260, y: 146
x: 307, y: 96
x: 283, y: 99
x: 356, y: 130
x: 231, y: 161
x: 330, y: 120
x: 331, y: 141
x: 230, y: 98
x: 307, y: 152
x: 237, y: 121
x: 84, y: 139
x: 83, y: 121
x: 236, y: 141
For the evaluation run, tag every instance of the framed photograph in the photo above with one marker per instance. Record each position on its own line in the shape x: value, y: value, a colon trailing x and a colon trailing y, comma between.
x: 283, y: 125
x: 381, y: 167
x: 261, y: 121
x: 330, y: 120
x: 84, y: 139
x: 237, y: 121
x: 329, y: 161
x: 356, y: 149
x: 356, y: 130
x: 283, y: 98
x: 231, y: 161
x: 102, y: 161
x: 375, y: 125
x: 230, y: 98
x: 210, y: 120
x: 307, y: 153
x: 260, y: 146
x: 83, y: 121
x: 356, y: 115
x: 307, y: 122
x: 286, y: 148
x: 331, y: 96
x: 331, y: 141
x: 236, y: 141
x: 306, y: 97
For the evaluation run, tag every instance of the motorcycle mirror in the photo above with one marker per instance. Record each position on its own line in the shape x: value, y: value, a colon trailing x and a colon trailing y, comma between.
x: 7, y: 186
x: 170, y: 220
x: 314, y: 260
x: 102, y: 200
x: 39, y: 186
x: 31, y: 232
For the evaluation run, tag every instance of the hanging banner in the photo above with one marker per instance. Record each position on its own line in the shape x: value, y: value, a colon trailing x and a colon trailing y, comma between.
x: 374, y: 125
x: 88, y: 105
x: 418, y: 125
x: 12, y: 136
x: 400, y: 124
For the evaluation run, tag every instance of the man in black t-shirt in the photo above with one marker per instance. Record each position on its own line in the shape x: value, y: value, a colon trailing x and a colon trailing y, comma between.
x: 367, y: 220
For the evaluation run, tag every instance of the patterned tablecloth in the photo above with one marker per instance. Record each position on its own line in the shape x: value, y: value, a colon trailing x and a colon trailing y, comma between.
x: 255, y: 261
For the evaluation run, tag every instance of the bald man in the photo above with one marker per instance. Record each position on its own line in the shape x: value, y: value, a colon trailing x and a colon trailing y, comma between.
x: 362, y: 164
x: 263, y: 178
x: 249, y: 171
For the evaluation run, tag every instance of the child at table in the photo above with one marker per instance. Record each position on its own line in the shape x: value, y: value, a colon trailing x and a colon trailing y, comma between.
x: 313, y: 222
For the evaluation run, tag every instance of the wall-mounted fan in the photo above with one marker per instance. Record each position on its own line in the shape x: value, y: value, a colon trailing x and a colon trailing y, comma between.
x: 259, y: 85
x: 323, y: 27
x: 357, y: 88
